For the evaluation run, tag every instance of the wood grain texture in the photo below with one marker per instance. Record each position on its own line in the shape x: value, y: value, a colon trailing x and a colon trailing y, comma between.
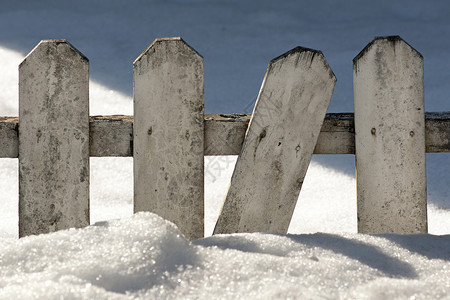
x: 53, y: 139
x: 224, y: 134
x: 168, y: 134
x: 390, y: 138
x: 278, y: 144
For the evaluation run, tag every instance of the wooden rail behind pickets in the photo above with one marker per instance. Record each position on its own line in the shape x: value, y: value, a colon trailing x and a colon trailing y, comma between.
x: 224, y: 133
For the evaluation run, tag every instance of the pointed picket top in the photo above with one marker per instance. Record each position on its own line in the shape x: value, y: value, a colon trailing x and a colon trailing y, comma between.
x: 279, y: 143
x: 377, y: 41
x: 54, y: 43
x: 390, y: 138
x: 307, y: 51
x: 162, y: 41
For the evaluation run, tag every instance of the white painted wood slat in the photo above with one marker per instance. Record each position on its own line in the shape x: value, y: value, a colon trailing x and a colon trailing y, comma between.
x: 279, y: 143
x: 53, y: 139
x: 169, y: 134
x: 390, y: 138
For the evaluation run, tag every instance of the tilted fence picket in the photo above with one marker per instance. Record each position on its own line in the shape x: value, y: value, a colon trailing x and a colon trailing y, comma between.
x: 278, y: 144
x: 169, y: 135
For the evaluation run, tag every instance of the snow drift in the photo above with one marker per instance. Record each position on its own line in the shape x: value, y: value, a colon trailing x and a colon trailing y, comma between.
x: 146, y: 257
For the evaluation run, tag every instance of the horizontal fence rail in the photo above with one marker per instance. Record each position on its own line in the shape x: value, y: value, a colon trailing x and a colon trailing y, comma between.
x: 224, y: 134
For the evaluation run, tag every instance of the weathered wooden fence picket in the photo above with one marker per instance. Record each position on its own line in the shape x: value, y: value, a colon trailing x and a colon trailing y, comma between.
x: 53, y: 139
x: 169, y: 135
x: 278, y: 145
x: 390, y: 143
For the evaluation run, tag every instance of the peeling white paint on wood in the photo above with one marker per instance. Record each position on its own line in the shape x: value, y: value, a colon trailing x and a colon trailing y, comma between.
x: 279, y: 143
x: 169, y: 134
x: 53, y: 139
x: 390, y: 138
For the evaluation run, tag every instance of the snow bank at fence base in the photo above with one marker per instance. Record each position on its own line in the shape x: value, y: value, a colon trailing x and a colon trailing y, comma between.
x: 147, y: 257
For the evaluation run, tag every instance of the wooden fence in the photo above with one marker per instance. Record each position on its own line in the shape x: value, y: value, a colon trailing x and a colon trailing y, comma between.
x: 169, y: 136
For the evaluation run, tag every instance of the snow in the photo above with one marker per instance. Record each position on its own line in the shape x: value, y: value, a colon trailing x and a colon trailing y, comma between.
x: 147, y: 257
x: 142, y: 256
